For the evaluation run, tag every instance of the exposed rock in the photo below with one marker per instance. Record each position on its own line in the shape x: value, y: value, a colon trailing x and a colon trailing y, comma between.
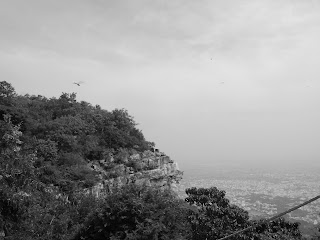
x: 149, y: 169
x: 135, y: 157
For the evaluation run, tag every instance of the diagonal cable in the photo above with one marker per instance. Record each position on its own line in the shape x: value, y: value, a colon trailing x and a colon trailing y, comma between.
x: 272, y: 218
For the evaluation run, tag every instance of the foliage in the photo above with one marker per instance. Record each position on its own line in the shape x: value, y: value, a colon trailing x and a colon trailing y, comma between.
x: 278, y: 229
x: 7, y: 92
x: 215, y: 218
x: 17, y: 177
x: 46, y: 148
x: 46, y: 145
x: 30, y: 209
x: 65, y: 134
x: 137, y: 212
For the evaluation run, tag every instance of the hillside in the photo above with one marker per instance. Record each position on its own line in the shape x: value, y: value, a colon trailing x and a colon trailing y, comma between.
x: 70, y: 170
x: 77, y: 144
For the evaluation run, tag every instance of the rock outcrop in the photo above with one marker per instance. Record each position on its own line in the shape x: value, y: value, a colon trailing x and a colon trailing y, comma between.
x: 147, y: 168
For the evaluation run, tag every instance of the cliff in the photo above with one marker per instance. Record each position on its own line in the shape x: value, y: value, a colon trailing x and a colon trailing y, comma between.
x: 147, y: 168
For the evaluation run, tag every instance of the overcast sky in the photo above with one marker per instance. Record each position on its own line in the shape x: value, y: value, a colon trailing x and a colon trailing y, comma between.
x: 211, y: 82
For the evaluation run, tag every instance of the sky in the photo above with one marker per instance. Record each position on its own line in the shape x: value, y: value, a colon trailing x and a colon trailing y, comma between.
x: 211, y: 82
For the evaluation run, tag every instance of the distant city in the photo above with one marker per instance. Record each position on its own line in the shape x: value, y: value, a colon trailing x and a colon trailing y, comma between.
x: 265, y: 194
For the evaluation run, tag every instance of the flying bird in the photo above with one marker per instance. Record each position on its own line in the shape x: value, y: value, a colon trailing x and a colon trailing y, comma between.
x: 78, y: 83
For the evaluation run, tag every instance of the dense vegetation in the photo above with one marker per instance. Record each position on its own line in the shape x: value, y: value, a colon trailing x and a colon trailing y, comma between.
x: 46, y: 145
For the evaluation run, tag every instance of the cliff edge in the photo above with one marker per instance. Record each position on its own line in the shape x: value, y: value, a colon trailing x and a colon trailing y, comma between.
x: 150, y: 168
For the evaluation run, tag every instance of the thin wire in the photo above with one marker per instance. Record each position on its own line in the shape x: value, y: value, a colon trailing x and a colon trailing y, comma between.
x: 271, y: 219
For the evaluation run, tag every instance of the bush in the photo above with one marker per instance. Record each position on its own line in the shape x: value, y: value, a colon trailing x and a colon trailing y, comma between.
x: 215, y: 218
x: 49, y: 174
x: 71, y: 159
x: 137, y: 212
x: 82, y: 174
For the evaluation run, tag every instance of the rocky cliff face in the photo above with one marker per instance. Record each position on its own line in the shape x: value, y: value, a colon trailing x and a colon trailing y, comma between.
x: 147, y: 168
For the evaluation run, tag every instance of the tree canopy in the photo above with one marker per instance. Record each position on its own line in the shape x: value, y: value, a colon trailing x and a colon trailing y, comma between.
x: 46, y: 146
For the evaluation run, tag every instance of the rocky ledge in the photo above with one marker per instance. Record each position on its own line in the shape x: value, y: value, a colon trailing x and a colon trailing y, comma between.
x: 148, y: 168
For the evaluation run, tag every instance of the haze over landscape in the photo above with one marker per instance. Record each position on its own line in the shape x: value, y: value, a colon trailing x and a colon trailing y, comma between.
x: 212, y: 83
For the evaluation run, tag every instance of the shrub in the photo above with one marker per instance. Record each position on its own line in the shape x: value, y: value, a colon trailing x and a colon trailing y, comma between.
x: 137, y: 212
x: 71, y: 159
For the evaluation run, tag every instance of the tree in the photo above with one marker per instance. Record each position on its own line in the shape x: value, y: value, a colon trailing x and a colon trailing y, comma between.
x: 137, y: 212
x: 214, y: 218
x: 29, y: 209
x: 17, y: 177
x: 7, y: 92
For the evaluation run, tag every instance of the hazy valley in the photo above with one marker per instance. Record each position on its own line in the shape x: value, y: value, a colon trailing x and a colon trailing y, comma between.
x: 263, y: 193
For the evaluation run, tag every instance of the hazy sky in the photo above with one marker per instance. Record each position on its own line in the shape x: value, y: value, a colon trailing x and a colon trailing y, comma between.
x: 214, y: 81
